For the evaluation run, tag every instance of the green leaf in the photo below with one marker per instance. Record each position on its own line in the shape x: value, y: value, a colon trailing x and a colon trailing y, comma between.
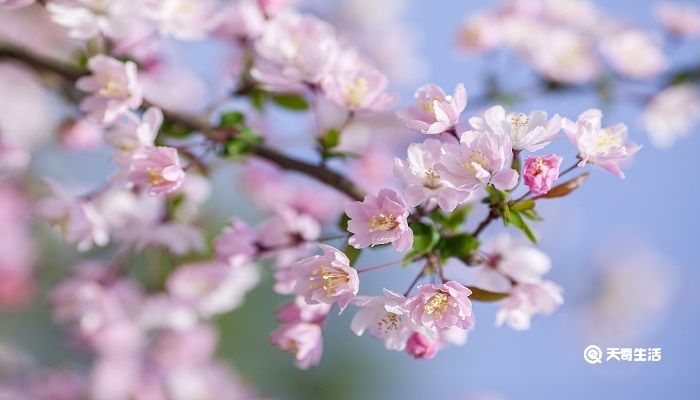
x: 172, y: 129
x: 425, y: 237
x: 519, y: 223
x: 291, y: 101
x: 245, y: 140
x: 410, y: 257
x: 496, y: 196
x: 231, y: 119
x: 523, y: 205
x: 531, y: 215
x: 352, y: 253
x: 461, y: 245
x: 343, y: 222
x: 331, y: 138
x: 486, y: 295
x: 456, y: 219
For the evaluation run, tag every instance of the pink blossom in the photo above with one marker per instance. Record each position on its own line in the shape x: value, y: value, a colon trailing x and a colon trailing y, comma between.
x: 87, y: 19
x: 540, y: 172
x: 286, y: 229
x: 294, y: 50
x: 241, y: 20
x: 356, y: 85
x: 236, y: 239
x: 17, y: 287
x: 436, y: 112
x: 527, y: 132
x: 132, y: 132
x: 78, y: 219
x: 327, y: 278
x: 422, y: 347
x: 680, y: 19
x: 183, y: 19
x: 299, y: 310
x: 13, y: 4
x: 273, y: 7
x: 114, y: 86
x: 527, y: 300
x: 386, y: 319
x: 480, y: 159
x: 378, y: 220
x: 607, y: 147
x: 671, y: 114
x: 213, y: 287
x: 634, y: 53
x: 422, y: 180
x: 509, y: 261
x: 303, y: 340
x: 158, y: 168
x: 440, y: 307
x: 80, y: 134
x: 480, y: 33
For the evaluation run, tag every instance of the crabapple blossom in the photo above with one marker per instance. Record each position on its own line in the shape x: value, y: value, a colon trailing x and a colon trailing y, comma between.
x: 671, y: 114
x: 634, y: 53
x: 680, y: 19
x: 540, y: 172
x: 12, y: 4
x: 287, y: 228
x: 299, y: 310
x: 422, y: 180
x: 236, y: 240
x: 421, y: 346
x: 378, y: 220
x: 480, y: 33
x: 441, y: 307
x: 303, y: 340
x: 480, y: 159
x: 607, y: 147
x: 87, y: 19
x: 527, y: 132
x: 435, y: 111
x: 157, y: 168
x: 114, y: 88
x: 386, y: 319
x: 182, y: 19
x: 133, y: 132
x: 326, y: 278
x: 243, y: 20
x: 80, y: 134
x: 526, y: 300
x: 564, y: 55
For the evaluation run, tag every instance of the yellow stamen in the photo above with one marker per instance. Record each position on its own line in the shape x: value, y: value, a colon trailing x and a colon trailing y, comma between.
x: 437, y: 304
x: 381, y: 222
x: 329, y: 278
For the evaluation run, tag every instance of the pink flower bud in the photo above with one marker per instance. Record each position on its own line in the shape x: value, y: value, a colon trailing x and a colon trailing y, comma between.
x: 540, y: 172
x: 421, y: 346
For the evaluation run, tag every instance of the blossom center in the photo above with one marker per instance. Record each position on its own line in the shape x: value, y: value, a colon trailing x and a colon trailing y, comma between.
x: 154, y: 176
x: 605, y: 140
x: 356, y: 91
x: 390, y: 322
x: 329, y: 279
x: 437, y: 304
x: 382, y: 222
x: 476, y: 157
x: 432, y: 179
x: 113, y: 89
x: 518, y: 123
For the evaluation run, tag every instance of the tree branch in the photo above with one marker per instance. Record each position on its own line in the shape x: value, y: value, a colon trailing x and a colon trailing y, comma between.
x: 72, y: 72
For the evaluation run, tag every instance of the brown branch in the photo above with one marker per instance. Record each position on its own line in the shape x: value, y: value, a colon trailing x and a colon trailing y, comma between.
x: 72, y: 73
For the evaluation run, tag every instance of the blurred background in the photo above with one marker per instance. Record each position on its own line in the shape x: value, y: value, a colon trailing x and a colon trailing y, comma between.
x: 625, y: 252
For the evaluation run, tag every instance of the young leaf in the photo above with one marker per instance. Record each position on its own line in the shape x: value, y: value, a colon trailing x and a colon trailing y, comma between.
x: 523, y: 205
x: 458, y: 246
x: 455, y: 220
x: 291, y: 101
x: 486, y: 295
x: 331, y: 138
x: 425, y: 237
x: 566, y: 187
x: 352, y: 253
x: 519, y: 223
x: 231, y: 119
x: 343, y: 222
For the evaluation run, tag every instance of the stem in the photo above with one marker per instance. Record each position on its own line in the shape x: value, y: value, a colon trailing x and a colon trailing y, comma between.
x: 71, y: 73
x: 415, y: 280
x: 380, y: 266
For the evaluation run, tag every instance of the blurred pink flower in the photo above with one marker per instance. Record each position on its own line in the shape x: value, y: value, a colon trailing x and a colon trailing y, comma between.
x: 326, y: 278
x: 607, y: 147
x: 527, y: 132
x: 378, y: 220
x: 241, y: 20
x: 80, y: 134
x: 87, y: 19
x: 526, y: 300
x: 422, y: 347
x: 436, y: 112
x: 680, y: 19
x: 441, y: 307
x: 299, y: 310
x: 634, y: 53
x: 386, y: 319
x: 480, y: 159
x: 286, y: 229
x: 303, y: 340
x: 671, y: 114
x: 157, y: 168
x: 480, y: 33
x: 563, y: 55
x: 183, y: 19
x: 422, y: 180
x: 114, y: 88
x: 133, y: 132
x: 12, y: 4
x: 273, y: 7
x: 236, y: 240
x: 540, y: 172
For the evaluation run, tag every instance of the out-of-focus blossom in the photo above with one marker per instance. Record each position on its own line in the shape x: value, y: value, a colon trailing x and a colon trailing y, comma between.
x: 273, y: 7
x: 422, y: 347
x: 287, y: 228
x: 441, y: 307
x: 607, y: 147
x: 58, y: 384
x: 526, y: 300
x: 680, y: 19
x: 114, y: 88
x: 370, y: 170
x: 527, y: 132
x: 213, y: 287
x: 132, y: 132
x: 634, y: 53
x: 236, y: 240
x: 294, y: 50
x: 563, y: 55
x: 17, y: 249
x: 480, y: 33
x: 303, y: 340
x: 480, y: 159
x: 87, y: 19
x: 157, y: 168
x: 12, y: 4
x: 356, y: 85
x: 326, y: 278
x: 386, y: 319
x: 378, y: 220
x: 299, y: 310
x: 422, y: 180
x: 509, y: 261
x: 540, y: 172
x: 241, y: 20
x: 671, y: 114
x: 183, y: 19
x: 174, y: 88
x: 80, y: 134
x: 78, y: 219
x: 435, y: 111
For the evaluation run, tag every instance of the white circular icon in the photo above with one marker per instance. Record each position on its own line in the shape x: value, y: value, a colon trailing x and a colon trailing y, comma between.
x: 593, y: 355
